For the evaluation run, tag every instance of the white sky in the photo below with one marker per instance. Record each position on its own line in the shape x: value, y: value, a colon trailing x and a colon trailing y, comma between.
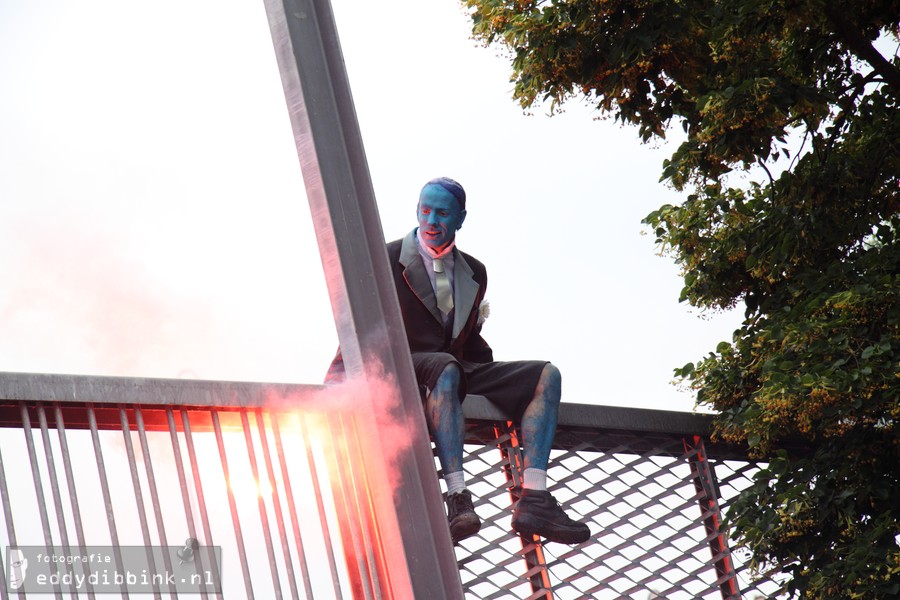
x: 153, y: 220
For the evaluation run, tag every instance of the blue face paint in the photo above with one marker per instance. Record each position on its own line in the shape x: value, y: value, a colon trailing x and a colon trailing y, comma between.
x: 439, y: 215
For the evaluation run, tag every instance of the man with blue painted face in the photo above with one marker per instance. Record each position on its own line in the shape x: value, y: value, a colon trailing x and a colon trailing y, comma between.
x: 440, y: 291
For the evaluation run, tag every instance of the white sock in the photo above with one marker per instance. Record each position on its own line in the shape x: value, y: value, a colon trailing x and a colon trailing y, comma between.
x: 535, y: 479
x: 456, y: 482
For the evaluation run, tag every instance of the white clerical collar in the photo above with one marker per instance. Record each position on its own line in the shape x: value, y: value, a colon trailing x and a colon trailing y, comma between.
x: 430, y: 252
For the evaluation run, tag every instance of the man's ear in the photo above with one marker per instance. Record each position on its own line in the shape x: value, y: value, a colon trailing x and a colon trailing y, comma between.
x: 462, y: 217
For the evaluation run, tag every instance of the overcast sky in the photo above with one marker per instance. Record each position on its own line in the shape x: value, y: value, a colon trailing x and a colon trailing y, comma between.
x: 153, y: 220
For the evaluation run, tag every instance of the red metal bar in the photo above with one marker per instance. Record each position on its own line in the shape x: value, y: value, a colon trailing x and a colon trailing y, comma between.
x: 708, y: 498
x: 533, y: 550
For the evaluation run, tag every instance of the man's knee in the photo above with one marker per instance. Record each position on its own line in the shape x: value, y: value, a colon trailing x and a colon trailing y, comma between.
x: 551, y: 377
x: 549, y: 388
x: 450, y: 377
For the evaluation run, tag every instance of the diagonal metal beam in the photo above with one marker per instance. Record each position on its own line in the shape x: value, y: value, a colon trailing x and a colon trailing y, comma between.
x: 363, y: 298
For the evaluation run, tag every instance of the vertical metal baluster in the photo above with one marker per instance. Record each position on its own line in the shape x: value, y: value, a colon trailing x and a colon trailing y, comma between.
x: 138, y: 495
x: 54, y: 484
x: 198, y: 489
x: 107, y: 498
x: 185, y: 495
x: 154, y: 494
x: 38, y: 485
x: 292, y: 508
x: 261, y: 501
x: 235, y: 519
x: 4, y: 595
x: 342, y: 492
x: 320, y: 505
x: 179, y: 469
x: 10, y: 528
x: 70, y: 483
x: 276, y: 502
x: 54, y: 489
x: 365, y: 508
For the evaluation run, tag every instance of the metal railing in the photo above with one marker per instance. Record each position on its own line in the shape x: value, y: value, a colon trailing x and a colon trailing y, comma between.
x: 256, y: 469
x: 276, y: 476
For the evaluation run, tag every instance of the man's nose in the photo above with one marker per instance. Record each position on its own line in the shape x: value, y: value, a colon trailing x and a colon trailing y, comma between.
x: 432, y: 218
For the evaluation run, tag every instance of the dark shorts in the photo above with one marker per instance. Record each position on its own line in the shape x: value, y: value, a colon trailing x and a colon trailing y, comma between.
x: 509, y: 385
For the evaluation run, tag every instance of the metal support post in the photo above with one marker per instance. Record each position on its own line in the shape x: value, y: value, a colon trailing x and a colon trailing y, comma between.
x: 416, y: 548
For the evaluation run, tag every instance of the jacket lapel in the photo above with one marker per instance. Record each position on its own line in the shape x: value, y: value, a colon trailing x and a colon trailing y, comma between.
x: 464, y: 293
x: 416, y: 277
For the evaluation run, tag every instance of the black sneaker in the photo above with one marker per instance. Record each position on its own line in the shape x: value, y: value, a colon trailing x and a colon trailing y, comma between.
x: 538, y: 513
x: 461, y: 514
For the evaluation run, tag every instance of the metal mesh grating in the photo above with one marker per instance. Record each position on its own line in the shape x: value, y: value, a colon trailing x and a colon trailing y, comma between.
x: 640, y: 496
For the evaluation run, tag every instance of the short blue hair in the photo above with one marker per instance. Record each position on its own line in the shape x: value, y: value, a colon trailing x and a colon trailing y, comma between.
x: 451, y: 186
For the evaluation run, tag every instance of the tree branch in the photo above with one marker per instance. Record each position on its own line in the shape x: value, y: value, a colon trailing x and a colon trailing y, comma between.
x: 861, y: 47
x: 771, y: 180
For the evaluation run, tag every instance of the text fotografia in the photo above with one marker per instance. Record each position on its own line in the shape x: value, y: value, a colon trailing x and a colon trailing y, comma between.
x: 73, y: 558
x: 190, y: 568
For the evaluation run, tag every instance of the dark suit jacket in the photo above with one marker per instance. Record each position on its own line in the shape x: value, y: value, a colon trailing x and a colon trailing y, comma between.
x: 425, y: 329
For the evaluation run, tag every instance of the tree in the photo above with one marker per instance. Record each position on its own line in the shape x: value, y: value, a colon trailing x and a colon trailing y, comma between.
x: 790, y: 162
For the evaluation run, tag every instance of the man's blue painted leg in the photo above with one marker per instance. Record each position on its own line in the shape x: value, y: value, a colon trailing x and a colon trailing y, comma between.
x: 447, y: 423
x: 537, y: 512
x: 445, y: 418
x: 539, y: 419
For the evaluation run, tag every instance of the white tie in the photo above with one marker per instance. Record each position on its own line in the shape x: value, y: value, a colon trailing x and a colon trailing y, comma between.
x: 442, y: 287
